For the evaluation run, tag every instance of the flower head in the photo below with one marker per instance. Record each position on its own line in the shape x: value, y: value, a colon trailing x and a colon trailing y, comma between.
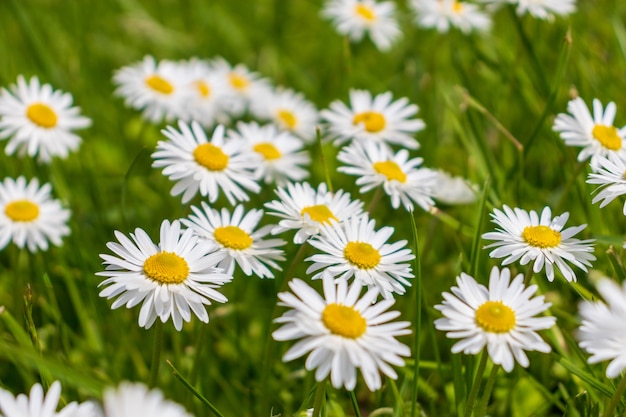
x: 39, y: 121
x: 526, y: 237
x: 453, y: 190
x: 610, y: 176
x: 173, y: 278
x: 444, y: 14
x: 342, y: 332
x: 207, y: 94
x: 501, y: 317
x: 38, y: 404
x: 134, y: 399
x: 544, y: 9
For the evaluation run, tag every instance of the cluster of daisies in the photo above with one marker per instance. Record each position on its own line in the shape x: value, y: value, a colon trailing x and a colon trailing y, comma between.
x: 377, y: 19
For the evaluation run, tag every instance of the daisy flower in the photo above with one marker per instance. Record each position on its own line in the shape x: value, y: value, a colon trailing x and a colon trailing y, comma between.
x: 238, y: 241
x: 171, y: 279
x: 207, y: 93
x: 353, y: 248
x: 306, y: 210
x: 501, y: 317
x: 39, y: 121
x: 342, y: 332
x: 596, y: 135
x: 38, y: 404
x: 544, y: 9
x: 527, y: 237
x: 444, y: 14
x: 134, y: 399
x: 30, y: 217
x: 282, y: 153
x: 375, y: 119
x: 603, y: 330
x: 160, y: 89
x: 197, y: 164
x: 356, y: 18
x: 376, y: 165
x: 288, y: 110
x: 453, y: 190
x: 610, y: 178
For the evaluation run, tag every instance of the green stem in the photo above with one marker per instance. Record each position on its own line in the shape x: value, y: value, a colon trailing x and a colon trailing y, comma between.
x: 481, y: 410
x: 156, y: 353
x: 375, y: 200
x: 418, y: 315
x: 320, y: 394
x: 616, y: 398
x: 469, y: 406
x: 528, y: 276
x: 355, y: 404
x: 318, y: 134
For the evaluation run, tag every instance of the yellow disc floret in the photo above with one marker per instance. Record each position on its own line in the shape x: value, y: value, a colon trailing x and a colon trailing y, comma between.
x: 21, y: 211
x: 203, y: 89
x: 362, y: 255
x: 607, y: 136
x: 344, y: 321
x: 211, y: 157
x: 365, y: 12
x: 319, y: 213
x: 391, y: 170
x: 166, y: 268
x: 495, y: 317
x: 267, y: 150
x: 541, y: 236
x: 237, y: 81
x: 233, y: 237
x: 287, y: 118
x: 374, y: 122
x: 42, y: 115
x: 159, y: 84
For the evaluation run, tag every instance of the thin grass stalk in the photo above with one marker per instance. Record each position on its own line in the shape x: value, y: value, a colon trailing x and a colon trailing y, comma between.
x: 478, y: 378
x: 616, y: 398
x: 481, y: 409
x: 195, y: 392
x: 417, y: 301
x: 156, y: 353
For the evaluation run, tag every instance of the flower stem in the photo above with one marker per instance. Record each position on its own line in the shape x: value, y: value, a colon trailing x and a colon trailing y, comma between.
x: 418, y: 316
x: 469, y: 406
x: 616, y: 398
x: 355, y: 404
x: 320, y: 394
x: 481, y: 409
x: 156, y: 353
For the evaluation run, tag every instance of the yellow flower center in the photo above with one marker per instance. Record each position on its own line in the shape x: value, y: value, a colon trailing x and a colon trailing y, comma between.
x: 541, y: 236
x: 22, y: 211
x: 233, y: 237
x: 495, y: 317
x: 287, y: 118
x: 343, y: 321
x: 166, y: 268
x: 159, y: 84
x: 391, y: 170
x: 457, y: 7
x: 374, y: 121
x: 267, y: 150
x: 365, y: 12
x: 319, y: 213
x: 42, y: 115
x: 211, y: 157
x: 362, y: 255
x: 238, y: 82
x: 607, y: 136
x: 203, y: 89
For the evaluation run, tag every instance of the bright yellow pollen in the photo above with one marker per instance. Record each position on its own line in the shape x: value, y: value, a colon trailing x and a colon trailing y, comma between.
x: 233, y: 237
x: 21, y: 211
x: 238, y: 82
x: 365, y: 12
x: 344, y: 321
x: 267, y: 150
x: 42, y: 115
x: 391, y: 170
x: 166, y: 268
x: 541, y: 236
x: 211, y: 157
x: 287, y: 118
x: 362, y: 255
x: 159, y: 84
x: 374, y: 121
x: 495, y: 317
x: 319, y: 213
x: 203, y: 88
x: 457, y: 7
x: 607, y: 136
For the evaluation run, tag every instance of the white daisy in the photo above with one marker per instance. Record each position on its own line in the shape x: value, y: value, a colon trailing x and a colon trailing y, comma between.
x: 207, y: 93
x: 290, y: 111
x: 356, y: 18
x: 342, y: 332
x: 197, y: 164
x: 375, y: 119
x: 401, y: 178
x: 453, y: 190
x: 444, y: 14
x: 610, y: 177
x: 38, y: 404
x: 306, y: 210
x: 160, y: 89
x: 353, y: 248
x: 239, y: 242
x: 500, y: 317
x: 30, y: 217
x: 172, y: 279
x: 282, y: 153
x: 544, y: 9
x: 603, y: 330
x: 135, y: 399
x: 38, y: 120
x: 526, y: 237
x: 596, y: 135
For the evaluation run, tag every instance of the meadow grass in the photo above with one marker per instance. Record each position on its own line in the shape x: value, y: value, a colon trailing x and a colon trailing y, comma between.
x: 488, y: 102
